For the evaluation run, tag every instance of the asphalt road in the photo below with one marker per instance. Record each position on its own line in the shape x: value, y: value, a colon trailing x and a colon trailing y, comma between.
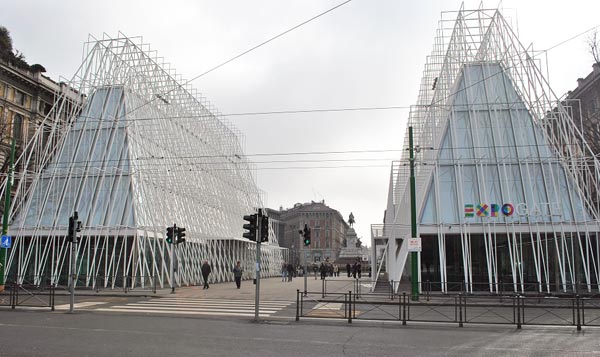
x: 38, y: 333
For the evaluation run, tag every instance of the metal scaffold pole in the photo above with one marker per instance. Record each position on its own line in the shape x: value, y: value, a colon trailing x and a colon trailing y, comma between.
x: 9, y: 179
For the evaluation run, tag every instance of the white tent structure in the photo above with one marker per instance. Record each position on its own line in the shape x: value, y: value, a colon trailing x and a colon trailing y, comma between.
x: 143, y: 152
x: 506, y: 186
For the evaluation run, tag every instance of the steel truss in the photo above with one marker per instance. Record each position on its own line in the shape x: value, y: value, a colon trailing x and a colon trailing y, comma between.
x: 489, y: 129
x: 144, y: 152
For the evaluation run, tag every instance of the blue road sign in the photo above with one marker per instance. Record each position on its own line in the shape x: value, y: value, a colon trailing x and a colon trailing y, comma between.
x: 6, y: 242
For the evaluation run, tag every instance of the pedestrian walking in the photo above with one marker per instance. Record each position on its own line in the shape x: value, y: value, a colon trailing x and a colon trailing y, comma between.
x: 323, y: 271
x: 348, y: 269
x: 354, y: 270
x: 205, y: 273
x: 336, y: 270
x: 315, y: 270
x: 237, y: 274
x: 359, y: 270
x: 284, y: 272
x: 290, y: 271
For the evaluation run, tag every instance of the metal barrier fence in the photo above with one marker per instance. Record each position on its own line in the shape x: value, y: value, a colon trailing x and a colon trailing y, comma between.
x: 510, y: 288
x: 460, y: 309
x: 501, y: 289
x: 27, y: 294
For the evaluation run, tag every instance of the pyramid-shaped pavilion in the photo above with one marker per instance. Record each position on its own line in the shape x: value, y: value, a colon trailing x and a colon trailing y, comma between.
x: 141, y: 152
x: 506, y: 187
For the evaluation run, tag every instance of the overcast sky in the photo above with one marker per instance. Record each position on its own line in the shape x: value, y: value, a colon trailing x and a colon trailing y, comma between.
x: 367, y: 53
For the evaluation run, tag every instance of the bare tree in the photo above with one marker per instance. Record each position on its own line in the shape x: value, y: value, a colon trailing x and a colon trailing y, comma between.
x: 594, y: 42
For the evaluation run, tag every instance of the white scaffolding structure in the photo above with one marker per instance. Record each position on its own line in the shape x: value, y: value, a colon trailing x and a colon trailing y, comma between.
x: 489, y: 131
x: 142, y: 152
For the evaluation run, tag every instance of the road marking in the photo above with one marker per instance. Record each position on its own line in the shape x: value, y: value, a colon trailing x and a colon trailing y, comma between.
x: 195, y: 306
x: 181, y: 312
x: 79, y: 305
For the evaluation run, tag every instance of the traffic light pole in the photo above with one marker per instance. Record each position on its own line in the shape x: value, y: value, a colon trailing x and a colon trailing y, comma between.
x: 305, y: 265
x: 73, y: 261
x: 171, y: 267
x: 414, y: 275
x: 257, y: 294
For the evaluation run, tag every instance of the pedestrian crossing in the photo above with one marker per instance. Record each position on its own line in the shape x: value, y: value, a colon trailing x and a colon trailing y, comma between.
x: 196, y: 306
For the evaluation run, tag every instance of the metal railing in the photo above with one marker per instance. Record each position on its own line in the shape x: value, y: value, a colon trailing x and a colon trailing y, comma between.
x: 515, y: 310
x: 19, y: 291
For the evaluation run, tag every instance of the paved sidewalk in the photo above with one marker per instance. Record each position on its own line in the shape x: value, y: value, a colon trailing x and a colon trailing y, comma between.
x: 270, y: 288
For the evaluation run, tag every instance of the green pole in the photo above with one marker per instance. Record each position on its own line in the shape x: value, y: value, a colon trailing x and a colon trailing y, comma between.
x: 413, y: 220
x: 6, y: 209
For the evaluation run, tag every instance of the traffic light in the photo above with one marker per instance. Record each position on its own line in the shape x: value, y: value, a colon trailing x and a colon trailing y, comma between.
x: 251, y: 227
x: 170, y: 231
x: 180, y: 235
x: 306, y: 235
x: 71, y: 232
x: 74, y: 228
x: 264, y: 229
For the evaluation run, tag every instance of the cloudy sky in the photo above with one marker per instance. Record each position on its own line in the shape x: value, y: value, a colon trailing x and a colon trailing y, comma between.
x: 367, y: 53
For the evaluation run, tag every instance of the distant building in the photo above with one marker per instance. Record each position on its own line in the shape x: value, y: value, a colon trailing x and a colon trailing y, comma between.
x: 586, y: 113
x: 26, y: 98
x: 327, y: 226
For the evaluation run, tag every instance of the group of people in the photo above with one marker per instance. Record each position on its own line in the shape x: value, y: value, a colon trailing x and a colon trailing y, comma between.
x: 238, y: 270
x: 287, y: 271
x: 354, y: 269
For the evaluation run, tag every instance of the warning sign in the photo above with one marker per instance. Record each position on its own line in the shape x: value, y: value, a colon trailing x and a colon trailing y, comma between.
x: 414, y: 244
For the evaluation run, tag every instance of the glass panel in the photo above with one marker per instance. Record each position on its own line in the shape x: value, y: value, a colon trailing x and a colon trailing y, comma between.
x: 429, y: 214
x: 447, y: 193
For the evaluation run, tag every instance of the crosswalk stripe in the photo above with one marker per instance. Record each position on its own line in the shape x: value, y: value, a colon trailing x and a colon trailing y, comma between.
x: 79, y: 305
x: 283, y: 302
x: 195, y: 306
x: 143, y: 306
x: 210, y: 303
x: 182, y: 312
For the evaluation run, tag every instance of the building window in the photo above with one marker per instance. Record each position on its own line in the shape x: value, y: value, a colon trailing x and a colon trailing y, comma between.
x: 2, y: 90
x: 18, y: 126
x: 19, y: 97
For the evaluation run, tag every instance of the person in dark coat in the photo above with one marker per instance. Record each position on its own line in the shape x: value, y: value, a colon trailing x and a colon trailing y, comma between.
x: 348, y: 269
x: 323, y: 270
x: 290, y: 271
x: 205, y: 273
x: 237, y: 274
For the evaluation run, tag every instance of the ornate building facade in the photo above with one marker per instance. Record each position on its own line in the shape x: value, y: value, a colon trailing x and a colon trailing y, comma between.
x: 327, y: 226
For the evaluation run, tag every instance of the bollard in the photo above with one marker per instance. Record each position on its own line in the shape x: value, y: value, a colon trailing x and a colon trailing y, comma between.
x: 345, y: 306
x: 297, y: 304
x: 403, y: 309
x: 578, y: 314
x: 399, y: 308
x: 518, y: 312
x: 460, y: 317
x: 52, y: 295
x: 350, y: 308
x: 428, y: 289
